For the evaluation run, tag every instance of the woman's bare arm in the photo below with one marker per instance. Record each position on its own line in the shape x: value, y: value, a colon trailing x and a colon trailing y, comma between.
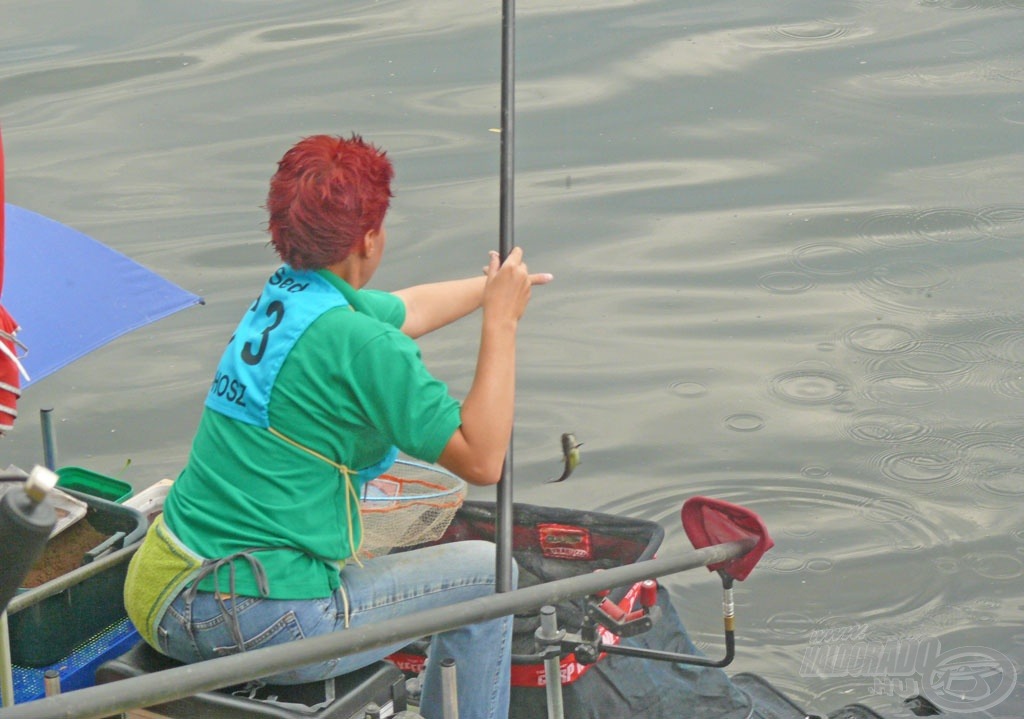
x: 434, y: 305
x: 477, y: 449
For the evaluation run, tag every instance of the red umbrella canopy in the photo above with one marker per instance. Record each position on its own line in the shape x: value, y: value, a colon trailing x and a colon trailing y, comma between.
x: 10, y: 380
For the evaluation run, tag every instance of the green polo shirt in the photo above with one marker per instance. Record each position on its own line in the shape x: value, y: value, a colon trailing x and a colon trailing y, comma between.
x: 352, y: 386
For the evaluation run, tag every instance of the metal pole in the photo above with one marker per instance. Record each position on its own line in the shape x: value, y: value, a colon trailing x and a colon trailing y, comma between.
x: 506, y: 241
x: 449, y: 689
x: 164, y: 686
x: 51, y: 682
x: 49, y: 439
x: 506, y: 233
x: 6, y: 666
x: 552, y: 664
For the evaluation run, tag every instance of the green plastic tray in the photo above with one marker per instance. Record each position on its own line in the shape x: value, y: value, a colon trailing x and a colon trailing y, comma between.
x: 94, y: 484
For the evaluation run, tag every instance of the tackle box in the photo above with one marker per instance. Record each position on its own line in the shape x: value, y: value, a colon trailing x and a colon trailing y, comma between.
x: 47, y: 630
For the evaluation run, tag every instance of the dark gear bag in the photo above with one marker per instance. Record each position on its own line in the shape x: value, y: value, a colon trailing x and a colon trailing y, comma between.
x: 550, y: 543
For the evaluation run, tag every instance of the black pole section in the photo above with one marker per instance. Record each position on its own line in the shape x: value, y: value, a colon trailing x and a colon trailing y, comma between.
x: 506, y: 241
x: 26, y: 520
x: 49, y: 439
x: 159, y: 687
x: 663, y: 656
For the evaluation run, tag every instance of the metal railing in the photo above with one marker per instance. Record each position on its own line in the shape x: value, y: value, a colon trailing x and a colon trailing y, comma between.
x: 187, y: 680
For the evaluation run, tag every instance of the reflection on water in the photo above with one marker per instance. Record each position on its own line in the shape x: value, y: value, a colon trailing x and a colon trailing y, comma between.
x: 786, y: 241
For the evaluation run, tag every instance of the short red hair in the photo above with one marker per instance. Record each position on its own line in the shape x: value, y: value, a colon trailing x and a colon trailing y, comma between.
x: 327, y: 193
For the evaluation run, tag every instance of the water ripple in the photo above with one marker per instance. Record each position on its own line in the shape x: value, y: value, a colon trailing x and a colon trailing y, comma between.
x: 861, y: 525
x: 940, y: 225
x: 902, y: 390
x: 55, y: 81
x: 1005, y: 344
x: 936, y: 358
x: 980, y: 445
x: 999, y: 566
x: 785, y: 283
x: 1004, y: 221
x: 816, y: 472
x: 637, y: 177
x: 880, y: 339
x: 811, y: 34
x: 831, y: 258
x: 884, y: 510
x: 928, y: 468
x: 892, y: 229
x: 1002, y: 482
x: 837, y: 505
x: 811, y: 386
x: 907, y: 282
x: 813, y: 31
x: 744, y: 422
x: 690, y: 390
x: 886, y: 427
x: 300, y: 33
x: 1010, y: 384
x: 1014, y: 113
x: 951, y: 225
x: 1005, y: 426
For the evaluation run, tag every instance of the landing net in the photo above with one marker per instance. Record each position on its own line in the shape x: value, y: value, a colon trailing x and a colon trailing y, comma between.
x: 411, y: 504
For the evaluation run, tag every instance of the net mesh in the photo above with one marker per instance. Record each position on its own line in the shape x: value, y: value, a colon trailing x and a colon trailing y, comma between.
x: 411, y: 504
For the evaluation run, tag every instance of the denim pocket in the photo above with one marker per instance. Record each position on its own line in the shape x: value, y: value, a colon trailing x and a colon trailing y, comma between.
x: 263, y: 629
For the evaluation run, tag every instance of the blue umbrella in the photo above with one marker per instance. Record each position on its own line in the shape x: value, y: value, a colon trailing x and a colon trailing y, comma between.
x: 72, y: 294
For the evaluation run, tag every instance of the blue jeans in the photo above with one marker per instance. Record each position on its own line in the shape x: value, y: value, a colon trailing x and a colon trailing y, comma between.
x: 384, y: 588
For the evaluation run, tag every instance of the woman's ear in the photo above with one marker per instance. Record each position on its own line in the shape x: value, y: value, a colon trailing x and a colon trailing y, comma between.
x: 369, y: 243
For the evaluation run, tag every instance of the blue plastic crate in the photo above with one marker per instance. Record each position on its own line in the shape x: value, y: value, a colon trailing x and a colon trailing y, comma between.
x: 78, y: 669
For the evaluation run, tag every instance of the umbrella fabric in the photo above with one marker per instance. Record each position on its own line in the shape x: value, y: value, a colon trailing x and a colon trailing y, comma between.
x: 10, y: 380
x: 10, y: 388
x: 72, y: 294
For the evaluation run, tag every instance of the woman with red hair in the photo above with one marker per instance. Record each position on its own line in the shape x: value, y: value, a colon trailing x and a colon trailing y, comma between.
x: 319, y: 388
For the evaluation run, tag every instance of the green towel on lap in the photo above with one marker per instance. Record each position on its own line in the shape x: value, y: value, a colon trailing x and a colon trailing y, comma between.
x: 160, y: 569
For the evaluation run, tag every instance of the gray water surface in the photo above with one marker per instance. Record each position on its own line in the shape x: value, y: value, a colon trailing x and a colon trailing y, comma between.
x: 787, y: 240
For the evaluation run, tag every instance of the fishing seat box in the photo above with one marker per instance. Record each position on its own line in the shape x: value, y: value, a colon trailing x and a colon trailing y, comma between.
x: 349, y: 696
x: 46, y: 631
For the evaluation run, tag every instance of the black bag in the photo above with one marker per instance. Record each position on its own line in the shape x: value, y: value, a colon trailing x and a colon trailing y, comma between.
x: 550, y: 543
x: 618, y: 686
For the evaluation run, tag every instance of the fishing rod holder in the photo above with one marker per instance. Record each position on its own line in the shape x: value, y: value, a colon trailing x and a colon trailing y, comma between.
x: 587, y: 645
x: 602, y: 610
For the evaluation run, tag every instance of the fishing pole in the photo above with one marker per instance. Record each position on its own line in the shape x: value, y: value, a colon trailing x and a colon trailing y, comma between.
x: 506, y: 241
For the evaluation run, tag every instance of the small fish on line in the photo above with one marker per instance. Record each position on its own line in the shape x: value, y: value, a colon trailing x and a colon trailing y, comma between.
x: 570, y: 454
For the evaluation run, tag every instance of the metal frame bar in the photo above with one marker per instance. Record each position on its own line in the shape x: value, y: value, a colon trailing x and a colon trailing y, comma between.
x: 187, y: 680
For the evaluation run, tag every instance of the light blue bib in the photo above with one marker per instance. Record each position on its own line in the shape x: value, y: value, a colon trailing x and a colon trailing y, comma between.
x: 290, y: 302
